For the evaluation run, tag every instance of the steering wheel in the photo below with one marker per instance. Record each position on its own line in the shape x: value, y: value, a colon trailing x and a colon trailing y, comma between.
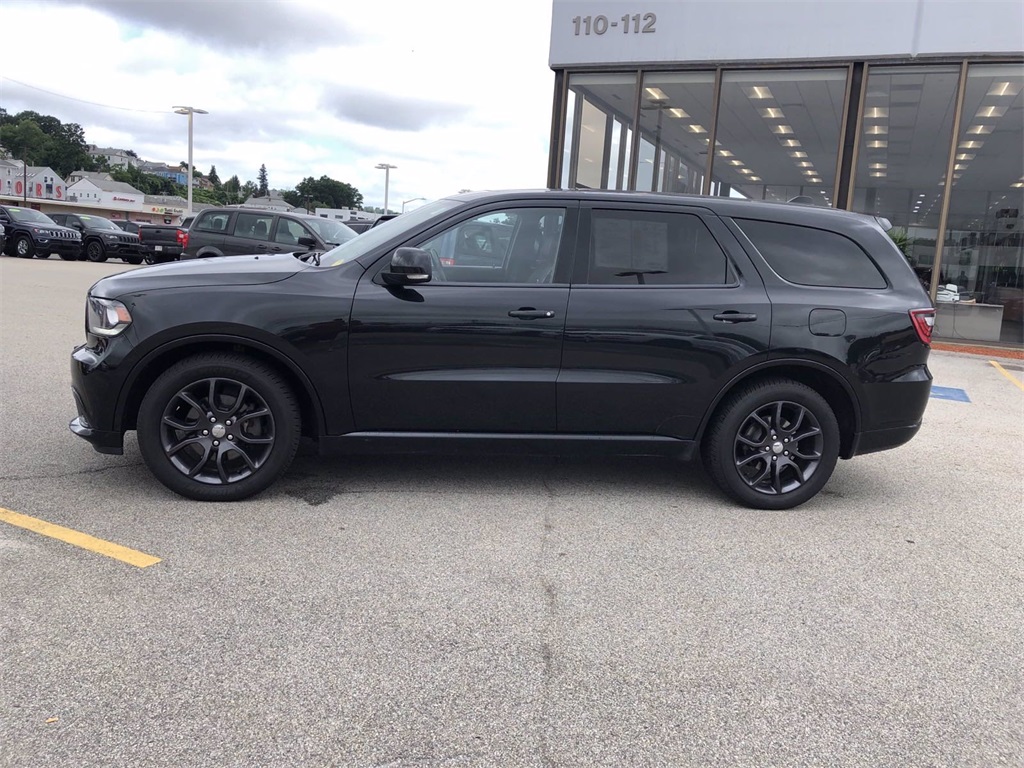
x: 437, y: 271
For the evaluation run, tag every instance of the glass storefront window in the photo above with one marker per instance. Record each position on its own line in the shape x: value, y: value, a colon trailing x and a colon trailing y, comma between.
x: 903, y: 148
x: 599, y: 129
x: 983, y: 254
x: 676, y: 110
x: 778, y: 134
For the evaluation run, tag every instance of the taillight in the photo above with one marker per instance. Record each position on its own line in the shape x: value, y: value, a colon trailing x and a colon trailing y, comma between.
x: 447, y: 261
x: 924, y: 321
x: 183, y: 238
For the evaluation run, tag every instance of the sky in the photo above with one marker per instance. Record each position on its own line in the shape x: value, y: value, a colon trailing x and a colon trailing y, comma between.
x: 456, y: 93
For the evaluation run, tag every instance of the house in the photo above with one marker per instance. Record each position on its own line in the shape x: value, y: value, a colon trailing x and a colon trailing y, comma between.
x: 11, y: 174
x: 116, y: 158
x: 79, y: 175
x: 175, y: 173
x: 272, y: 201
x: 43, y: 183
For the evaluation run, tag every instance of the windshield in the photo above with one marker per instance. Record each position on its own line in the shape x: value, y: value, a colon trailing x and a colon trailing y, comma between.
x: 376, y: 236
x: 95, y: 222
x: 330, y: 231
x: 27, y: 214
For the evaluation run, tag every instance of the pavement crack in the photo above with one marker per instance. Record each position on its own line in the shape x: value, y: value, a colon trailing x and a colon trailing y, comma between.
x: 59, y: 475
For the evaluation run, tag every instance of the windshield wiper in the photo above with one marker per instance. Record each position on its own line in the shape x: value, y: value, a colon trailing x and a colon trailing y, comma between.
x: 313, y: 256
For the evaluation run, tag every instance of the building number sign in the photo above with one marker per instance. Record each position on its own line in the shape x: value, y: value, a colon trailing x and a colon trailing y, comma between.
x: 638, y: 23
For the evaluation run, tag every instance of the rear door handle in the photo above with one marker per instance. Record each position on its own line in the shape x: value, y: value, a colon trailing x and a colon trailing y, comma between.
x: 528, y: 313
x: 736, y: 317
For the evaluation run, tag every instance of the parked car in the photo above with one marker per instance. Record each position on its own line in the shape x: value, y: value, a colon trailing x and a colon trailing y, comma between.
x: 102, y: 238
x: 235, y: 231
x: 769, y: 340
x: 359, y: 226
x: 159, y: 242
x: 31, y: 233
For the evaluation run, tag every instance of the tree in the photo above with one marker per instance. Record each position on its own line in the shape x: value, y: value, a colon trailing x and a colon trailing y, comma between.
x: 213, y: 177
x: 44, y: 140
x: 324, y: 192
x: 248, y: 190
x: 264, y: 188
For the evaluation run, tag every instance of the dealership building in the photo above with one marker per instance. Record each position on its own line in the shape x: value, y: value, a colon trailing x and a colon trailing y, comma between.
x: 910, y: 110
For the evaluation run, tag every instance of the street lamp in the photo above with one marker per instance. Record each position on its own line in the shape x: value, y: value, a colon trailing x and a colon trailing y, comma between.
x: 386, y: 167
x: 411, y: 201
x: 189, y: 111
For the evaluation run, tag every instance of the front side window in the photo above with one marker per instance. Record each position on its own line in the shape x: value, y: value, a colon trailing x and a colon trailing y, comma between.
x: 808, y: 256
x: 289, y: 232
x: 654, y: 248
x: 512, y: 246
x: 255, y: 226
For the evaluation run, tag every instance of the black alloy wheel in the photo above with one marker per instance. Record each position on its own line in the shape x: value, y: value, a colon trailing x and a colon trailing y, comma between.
x: 218, y: 427
x: 774, y: 446
x: 95, y: 252
x: 133, y: 259
x: 23, y: 247
x: 69, y: 257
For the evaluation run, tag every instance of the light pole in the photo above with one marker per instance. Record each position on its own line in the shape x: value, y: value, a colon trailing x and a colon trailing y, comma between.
x: 411, y: 201
x: 386, y: 167
x: 189, y: 111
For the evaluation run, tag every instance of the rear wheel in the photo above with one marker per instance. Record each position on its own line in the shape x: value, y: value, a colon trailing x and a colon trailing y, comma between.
x: 95, y: 252
x: 23, y: 247
x: 133, y: 259
x: 774, y: 445
x: 69, y: 257
x: 218, y: 427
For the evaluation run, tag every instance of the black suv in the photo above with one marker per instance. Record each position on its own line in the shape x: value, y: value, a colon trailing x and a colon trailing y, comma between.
x: 236, y: 231
x: 767, y: 339
x: 31, y: 233
x: 102, y: 238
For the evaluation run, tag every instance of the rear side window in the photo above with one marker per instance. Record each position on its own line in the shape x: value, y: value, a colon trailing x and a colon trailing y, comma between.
x: 213, y: 222
x: 654, y: 248
x: 808, y: 256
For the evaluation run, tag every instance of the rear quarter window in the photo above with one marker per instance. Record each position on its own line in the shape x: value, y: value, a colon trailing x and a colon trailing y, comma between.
x: 809, y: 256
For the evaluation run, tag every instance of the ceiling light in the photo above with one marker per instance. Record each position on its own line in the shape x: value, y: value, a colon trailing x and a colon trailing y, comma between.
x: 991, y: 112
x: 815, y: 180
x: 959, y: 166
x: 877, y: 166
x: 758, y: 92
x: 876, y: 130
x: 805, y: 164
x: 657, y: 93
x: 1004, y: 89
x: 724, y: 153
x: 979, y: 129
x: 772, y: 113
x: 798, y: 154
x: 1017, y: 184
x: 735, y: 162
x: 808, y: 172
x: 965, y: 156
x: 971, y: 144
x: 878, y: 174
x: 753, y: 178
x: 876, y: 112
x: 745, y: 171
x: 878, y: 144
x: 676, y: 112
x: 694, y: 128
x: 790, y: 142
x: 781, y: 129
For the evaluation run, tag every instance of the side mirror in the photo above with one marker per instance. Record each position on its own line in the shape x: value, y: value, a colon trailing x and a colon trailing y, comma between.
x: 409, y: 266
x: 79, y: 227
x: 307, y: 242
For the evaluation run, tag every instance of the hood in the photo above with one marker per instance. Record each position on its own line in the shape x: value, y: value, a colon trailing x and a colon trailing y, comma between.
x: 196, y: 273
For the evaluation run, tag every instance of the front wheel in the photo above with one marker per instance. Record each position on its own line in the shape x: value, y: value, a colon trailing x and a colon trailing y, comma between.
x: 773, y: 445
x: 218, y: 427
x: 133, y: 259
x: 23, y: 247
x: 95, y: 251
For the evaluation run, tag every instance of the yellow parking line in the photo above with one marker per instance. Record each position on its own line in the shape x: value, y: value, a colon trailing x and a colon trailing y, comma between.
x: 1007, y: 374
x: 83, y: 540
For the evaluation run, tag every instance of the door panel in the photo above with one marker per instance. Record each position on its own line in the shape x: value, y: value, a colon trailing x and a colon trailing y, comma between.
x: 649, y: 358
x: 463, y: 356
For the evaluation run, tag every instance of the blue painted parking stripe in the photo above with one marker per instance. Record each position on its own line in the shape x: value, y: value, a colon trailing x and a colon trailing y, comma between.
x: 950, y: 393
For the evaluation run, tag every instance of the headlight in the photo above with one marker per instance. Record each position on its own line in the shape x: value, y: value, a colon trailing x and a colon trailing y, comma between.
x: 111, y: 237
x: 106, y: 317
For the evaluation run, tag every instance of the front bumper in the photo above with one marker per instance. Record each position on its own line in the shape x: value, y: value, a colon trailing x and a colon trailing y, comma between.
x: 60, y: 247
x: 95, y: 390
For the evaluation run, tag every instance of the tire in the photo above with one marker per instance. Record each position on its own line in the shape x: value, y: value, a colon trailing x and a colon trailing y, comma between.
x: 69, y: 257
x: 176, y: 412
x: 133, y: 259
x: 749, y: 453
x: 95, y: 252
x: 23, y: 247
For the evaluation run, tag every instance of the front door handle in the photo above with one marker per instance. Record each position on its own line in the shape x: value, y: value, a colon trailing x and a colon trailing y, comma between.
x: 529, y: 313
x: 736, y: 317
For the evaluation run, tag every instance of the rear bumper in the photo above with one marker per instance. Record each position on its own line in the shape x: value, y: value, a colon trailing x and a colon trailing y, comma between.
x: 883, y: 439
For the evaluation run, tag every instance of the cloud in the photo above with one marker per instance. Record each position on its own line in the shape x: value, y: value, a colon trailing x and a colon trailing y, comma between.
x: 235, y: 25
x: 379, y: 110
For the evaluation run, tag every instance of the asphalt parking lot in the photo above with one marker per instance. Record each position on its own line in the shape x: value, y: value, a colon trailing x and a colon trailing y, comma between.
x: 507, y: 612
